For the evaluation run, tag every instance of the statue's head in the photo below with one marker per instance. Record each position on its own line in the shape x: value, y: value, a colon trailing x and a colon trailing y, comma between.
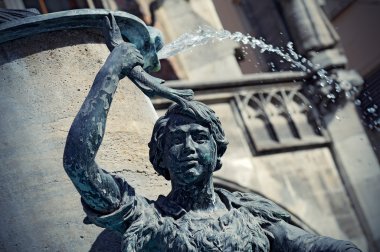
x: 187, y: 144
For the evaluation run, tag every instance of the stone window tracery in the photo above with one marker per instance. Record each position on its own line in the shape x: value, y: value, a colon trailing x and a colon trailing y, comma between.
x: 280, y: 118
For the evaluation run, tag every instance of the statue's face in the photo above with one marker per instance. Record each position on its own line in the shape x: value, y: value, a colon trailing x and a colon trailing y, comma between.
x: 189, y: 152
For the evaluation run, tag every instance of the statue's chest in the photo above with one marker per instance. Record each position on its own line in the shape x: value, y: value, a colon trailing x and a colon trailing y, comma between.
x: 234, y: 231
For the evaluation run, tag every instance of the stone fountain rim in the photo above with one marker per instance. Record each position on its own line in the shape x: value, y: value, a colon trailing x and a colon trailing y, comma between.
x: 75, y: 19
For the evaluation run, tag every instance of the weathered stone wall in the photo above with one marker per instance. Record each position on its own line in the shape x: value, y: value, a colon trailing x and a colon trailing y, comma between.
x: 43, y: 81
x: 216, y: 62
x: 305, y: 182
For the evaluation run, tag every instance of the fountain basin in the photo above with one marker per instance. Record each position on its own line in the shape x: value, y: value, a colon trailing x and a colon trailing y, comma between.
x: 46, y: 72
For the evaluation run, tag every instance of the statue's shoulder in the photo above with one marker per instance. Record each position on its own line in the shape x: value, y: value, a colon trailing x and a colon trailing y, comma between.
x: 257, y: 205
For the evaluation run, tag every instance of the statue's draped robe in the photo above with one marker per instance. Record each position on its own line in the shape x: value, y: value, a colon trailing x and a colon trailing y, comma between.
x: 252, y: 223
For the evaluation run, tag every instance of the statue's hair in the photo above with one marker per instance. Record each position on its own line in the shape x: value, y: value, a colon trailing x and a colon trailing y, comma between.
x: 203, y: 115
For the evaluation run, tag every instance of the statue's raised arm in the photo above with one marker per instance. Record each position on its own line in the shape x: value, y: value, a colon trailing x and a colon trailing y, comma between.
x: 97, y: 188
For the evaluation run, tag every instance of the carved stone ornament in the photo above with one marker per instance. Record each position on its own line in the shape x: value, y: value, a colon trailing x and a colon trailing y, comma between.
x: 280, y: 118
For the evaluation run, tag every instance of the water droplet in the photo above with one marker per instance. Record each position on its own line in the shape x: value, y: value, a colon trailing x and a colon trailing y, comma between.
x: 331, y: 96
x: 371, y: 110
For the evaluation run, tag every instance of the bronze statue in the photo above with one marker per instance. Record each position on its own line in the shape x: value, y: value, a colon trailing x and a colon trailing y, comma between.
x: 186, y: 148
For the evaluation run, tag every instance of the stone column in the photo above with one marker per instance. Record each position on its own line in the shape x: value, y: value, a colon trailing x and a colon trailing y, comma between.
x: 213, y: 61
x: 14, y: 4
x: 315, y: 38
x: 110, y: 5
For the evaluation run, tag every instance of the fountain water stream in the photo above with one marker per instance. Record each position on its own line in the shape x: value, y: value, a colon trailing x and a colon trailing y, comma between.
x: 206, y: 34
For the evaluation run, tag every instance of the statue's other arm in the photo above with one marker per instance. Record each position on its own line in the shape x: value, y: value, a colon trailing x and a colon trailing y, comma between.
x: 293, y: 239
x: 97, y: 188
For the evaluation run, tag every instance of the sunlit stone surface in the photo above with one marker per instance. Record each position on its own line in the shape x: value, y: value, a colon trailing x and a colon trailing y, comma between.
x: 44, y: 79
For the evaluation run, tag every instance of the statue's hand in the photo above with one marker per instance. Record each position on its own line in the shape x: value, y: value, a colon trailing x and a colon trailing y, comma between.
x: 126, y: 56
x: 111, y: 32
